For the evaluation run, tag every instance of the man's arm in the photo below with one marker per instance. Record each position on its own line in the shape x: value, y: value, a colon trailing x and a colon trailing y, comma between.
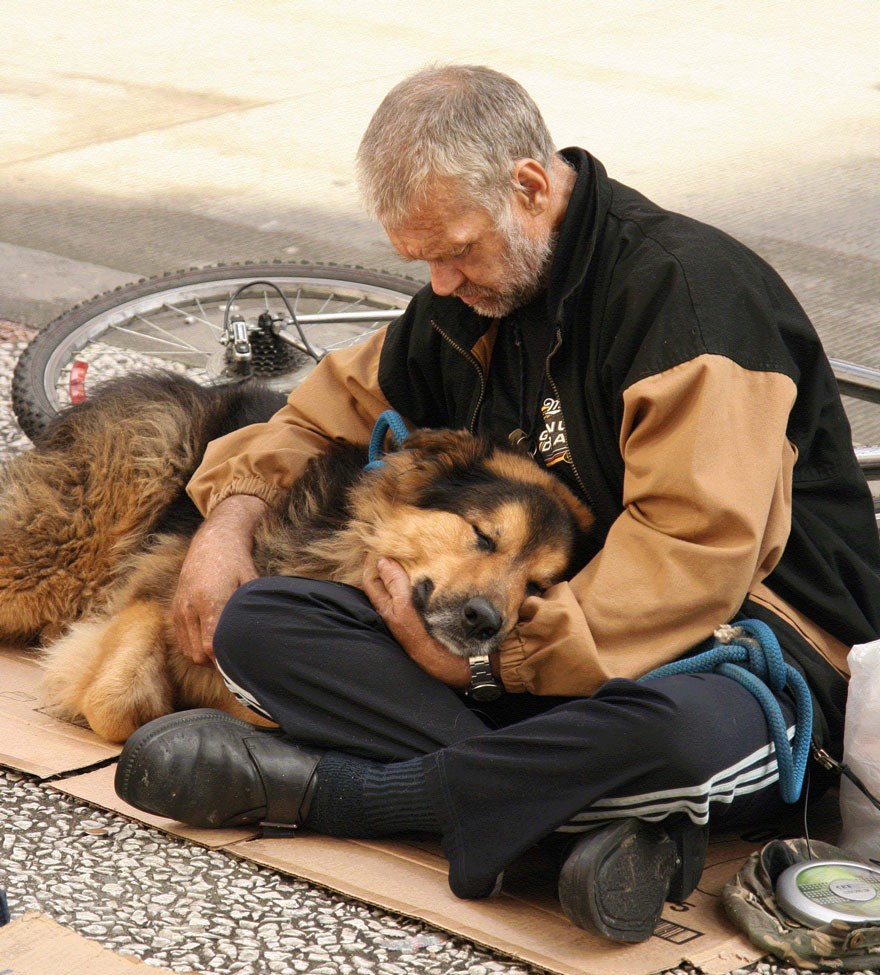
x: 250, y: 470
x: 707, y: 507
x: 219, y: 560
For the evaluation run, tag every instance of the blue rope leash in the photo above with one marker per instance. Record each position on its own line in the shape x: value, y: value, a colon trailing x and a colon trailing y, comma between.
x: 389, y: 420
x: 749, y: 653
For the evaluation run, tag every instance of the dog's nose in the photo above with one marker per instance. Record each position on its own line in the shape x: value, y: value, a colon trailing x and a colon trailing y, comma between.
x: 481, y: 618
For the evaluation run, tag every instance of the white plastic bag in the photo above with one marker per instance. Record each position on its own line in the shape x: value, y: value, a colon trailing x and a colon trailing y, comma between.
x: 860, y: 836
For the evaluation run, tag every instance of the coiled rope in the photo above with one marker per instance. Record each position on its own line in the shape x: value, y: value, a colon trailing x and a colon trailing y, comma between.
x: 749, y: 652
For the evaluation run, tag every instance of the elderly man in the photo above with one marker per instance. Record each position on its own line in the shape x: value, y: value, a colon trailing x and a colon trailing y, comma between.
x: 665, y: 374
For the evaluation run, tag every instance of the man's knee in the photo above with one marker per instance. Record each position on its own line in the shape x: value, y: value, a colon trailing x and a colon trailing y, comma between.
x: 284, y: 615
x: 687, y: 724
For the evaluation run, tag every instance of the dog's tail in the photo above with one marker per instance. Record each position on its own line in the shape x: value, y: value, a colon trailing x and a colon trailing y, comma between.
x: 103, y: 476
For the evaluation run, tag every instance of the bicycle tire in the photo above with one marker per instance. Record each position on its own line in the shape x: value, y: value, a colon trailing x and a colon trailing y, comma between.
x: 112, y: 333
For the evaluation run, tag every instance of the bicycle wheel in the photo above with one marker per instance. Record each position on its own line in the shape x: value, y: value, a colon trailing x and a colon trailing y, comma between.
x: 176, y: 322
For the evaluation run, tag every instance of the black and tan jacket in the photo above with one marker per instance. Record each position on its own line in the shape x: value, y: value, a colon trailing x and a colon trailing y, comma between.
x: 704, y: 427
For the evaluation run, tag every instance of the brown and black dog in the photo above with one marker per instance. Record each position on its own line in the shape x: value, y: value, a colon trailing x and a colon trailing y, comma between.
x: 95, y: 524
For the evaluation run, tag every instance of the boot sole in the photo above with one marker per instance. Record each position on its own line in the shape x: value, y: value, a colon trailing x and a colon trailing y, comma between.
x: 616, y: 880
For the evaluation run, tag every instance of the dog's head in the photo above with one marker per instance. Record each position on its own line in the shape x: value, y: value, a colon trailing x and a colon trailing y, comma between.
x: 477, y: 528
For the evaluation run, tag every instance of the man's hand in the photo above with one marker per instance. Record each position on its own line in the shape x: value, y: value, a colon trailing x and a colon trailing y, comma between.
x: 219, y: 560
x: 388, y: 588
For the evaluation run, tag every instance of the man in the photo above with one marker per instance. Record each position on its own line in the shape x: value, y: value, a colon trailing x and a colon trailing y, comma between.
x: 668, y: 376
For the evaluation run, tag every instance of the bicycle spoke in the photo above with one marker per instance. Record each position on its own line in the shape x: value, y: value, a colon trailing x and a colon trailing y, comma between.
x: 174, y: 338
x: 342, y: 343
x: 188, y: 315
x: 330, y: 298
x: 153, y: 338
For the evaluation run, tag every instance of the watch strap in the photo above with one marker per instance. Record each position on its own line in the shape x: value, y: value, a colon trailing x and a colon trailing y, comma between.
x: 483, y: 685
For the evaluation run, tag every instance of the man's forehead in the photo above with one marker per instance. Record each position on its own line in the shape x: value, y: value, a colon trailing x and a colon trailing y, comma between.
x: 435, y: 232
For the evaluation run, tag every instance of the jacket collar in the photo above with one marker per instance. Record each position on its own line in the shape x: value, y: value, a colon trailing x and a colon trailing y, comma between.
x: 584, y: 217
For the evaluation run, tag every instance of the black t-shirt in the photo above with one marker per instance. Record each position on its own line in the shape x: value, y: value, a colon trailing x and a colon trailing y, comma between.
x: 520, y: 406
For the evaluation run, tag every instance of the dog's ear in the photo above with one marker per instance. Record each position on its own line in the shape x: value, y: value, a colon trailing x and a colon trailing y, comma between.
x: 442, y: 451
x: 583, y: 516
x: 520, y: 467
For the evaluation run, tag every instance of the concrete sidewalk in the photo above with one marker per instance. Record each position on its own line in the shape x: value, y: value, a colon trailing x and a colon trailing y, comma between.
x: 143, y: 135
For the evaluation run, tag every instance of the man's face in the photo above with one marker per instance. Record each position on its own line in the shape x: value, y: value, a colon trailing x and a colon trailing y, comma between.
x: 493, y: 269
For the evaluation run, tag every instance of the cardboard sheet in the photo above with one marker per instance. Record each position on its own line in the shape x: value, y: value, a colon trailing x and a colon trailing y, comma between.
x: 408, y: 877
x: 36, y: 945
x: 30, y: 739
x: 524, y: 922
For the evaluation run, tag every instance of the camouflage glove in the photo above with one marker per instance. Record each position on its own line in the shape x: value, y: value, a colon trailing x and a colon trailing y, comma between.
x: 750, y: 902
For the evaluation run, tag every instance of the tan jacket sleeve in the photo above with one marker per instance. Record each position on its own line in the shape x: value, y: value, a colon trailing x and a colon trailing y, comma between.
x: 340, y: 400
x: 707, y: 511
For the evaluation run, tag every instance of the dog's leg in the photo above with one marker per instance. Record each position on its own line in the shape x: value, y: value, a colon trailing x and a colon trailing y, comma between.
x: 113, y: 671
x: 120, y: 672
x: 69, y: 667
x: 203, y: 687
x: 132, y: 684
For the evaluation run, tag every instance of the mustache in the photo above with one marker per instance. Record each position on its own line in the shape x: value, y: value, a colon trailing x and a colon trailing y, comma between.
x: 474, y: 291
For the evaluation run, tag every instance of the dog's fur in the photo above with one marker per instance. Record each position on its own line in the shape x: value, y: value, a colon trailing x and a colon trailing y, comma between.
x: 95, y: 524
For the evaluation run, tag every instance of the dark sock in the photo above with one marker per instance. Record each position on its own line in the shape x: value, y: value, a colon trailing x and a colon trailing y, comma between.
x: 358, y: 798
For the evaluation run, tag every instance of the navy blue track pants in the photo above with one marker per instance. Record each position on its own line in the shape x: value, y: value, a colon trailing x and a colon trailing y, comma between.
x: 316, y: 658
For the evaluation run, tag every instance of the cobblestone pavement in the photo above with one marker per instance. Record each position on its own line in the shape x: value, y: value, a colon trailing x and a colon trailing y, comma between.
x: 143, y: 893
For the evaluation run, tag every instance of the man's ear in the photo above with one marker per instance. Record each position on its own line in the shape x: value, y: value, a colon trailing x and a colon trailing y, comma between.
x: 531, y: 183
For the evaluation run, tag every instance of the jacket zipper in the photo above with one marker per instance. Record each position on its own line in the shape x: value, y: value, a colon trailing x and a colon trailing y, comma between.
x: 555, y: 388
x: 472, y: 359
x: 521, y: 376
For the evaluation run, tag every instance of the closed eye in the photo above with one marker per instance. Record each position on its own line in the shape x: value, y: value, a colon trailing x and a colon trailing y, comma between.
x: 484, y: 542
x: 534, y: 589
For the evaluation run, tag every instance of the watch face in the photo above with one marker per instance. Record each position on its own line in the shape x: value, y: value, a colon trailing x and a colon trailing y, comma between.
x: 485, y: 692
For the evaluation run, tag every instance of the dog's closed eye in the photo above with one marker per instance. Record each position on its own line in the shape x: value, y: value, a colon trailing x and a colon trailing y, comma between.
x: 484, y: 542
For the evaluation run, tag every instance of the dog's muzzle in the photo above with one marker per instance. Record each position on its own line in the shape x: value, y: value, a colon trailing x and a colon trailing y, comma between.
x: 468, y: 628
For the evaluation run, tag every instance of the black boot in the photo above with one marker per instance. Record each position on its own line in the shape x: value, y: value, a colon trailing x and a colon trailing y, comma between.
x: 206, y: 768
x: 616, y: 879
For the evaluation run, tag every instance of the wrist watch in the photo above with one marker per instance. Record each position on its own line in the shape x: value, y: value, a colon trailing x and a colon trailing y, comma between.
x: 483, y: 686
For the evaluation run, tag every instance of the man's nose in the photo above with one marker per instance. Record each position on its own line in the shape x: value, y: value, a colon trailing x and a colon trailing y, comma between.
x: 445, y: 278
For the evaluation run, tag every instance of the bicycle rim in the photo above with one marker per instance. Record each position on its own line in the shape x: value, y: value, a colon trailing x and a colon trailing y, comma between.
x: 176, y: 323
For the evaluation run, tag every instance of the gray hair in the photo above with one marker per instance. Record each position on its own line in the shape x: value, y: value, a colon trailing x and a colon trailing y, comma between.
x: 463, y: 123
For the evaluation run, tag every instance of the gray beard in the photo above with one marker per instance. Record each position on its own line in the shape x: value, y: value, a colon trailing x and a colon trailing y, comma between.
x: 527, y: 264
